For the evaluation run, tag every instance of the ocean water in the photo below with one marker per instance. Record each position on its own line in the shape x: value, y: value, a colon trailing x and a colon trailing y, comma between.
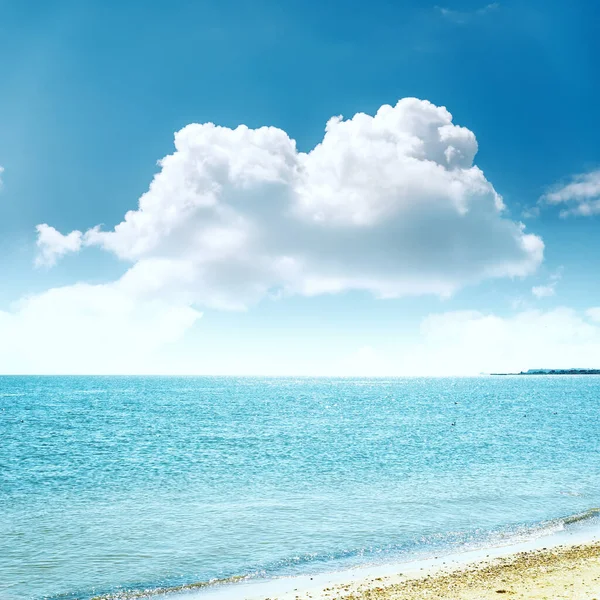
x: 112, y: 485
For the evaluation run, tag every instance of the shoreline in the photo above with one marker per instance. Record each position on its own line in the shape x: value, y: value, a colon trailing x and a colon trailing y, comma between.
x: 570, y: 571
x: 465, y: 572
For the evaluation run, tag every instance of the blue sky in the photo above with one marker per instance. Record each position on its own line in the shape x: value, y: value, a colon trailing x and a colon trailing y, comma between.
x: 93, y: 92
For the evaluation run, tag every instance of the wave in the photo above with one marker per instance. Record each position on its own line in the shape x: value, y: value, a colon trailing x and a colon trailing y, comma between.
x: 584, y: 516
x: 456, y: 541
x: 162, y: 590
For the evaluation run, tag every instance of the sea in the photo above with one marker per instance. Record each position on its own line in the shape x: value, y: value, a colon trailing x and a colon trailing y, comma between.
x: 126, y: 487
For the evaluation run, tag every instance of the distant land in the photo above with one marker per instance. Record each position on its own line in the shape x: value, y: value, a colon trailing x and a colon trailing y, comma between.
x: 555, y: 372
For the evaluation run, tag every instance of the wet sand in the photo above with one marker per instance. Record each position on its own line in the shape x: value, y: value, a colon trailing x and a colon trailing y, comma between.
x: 561, y: 572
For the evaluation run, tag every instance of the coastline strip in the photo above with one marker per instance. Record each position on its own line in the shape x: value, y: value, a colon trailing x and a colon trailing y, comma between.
x: 150, y: 592
x: 563, y: 572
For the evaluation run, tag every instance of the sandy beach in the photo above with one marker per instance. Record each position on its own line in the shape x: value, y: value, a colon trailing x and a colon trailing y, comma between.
x: 561, y: 572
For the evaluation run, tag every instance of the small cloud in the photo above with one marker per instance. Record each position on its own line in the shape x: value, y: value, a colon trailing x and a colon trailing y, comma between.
x: 580, y: 195
x: 543, y: 291
x: 531, y: 212
x: 52, y: 245
x: 488, y: 8
x: 518, y: 303
x: 548, y: 290
x: 461, y: 17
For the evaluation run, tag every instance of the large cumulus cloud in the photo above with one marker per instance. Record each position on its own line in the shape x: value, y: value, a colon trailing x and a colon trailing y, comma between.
x: 391, y: 204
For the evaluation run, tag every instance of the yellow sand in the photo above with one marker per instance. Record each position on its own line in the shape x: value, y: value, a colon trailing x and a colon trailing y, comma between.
x: 571, y: 572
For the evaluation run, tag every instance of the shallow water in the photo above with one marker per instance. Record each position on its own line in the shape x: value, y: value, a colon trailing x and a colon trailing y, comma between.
x: 116, y: 483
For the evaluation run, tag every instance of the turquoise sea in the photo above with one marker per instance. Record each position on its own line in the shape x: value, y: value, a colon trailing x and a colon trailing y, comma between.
x: 119, y: 484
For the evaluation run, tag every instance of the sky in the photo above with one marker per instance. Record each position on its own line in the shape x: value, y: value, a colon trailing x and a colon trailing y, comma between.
x: 298, y: 188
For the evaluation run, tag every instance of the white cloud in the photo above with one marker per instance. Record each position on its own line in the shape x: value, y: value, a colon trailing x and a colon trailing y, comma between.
x: 473, y: 342
x: 468, y: 343
x: 548, y: 290
x: 581, y: 195
x: 88, y: 329
x: 103, y: 329
x: 530, y: 212
x: 52, y: 244
x: 390, y: 204
x: 543, y: 291
x: 461, y: 17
